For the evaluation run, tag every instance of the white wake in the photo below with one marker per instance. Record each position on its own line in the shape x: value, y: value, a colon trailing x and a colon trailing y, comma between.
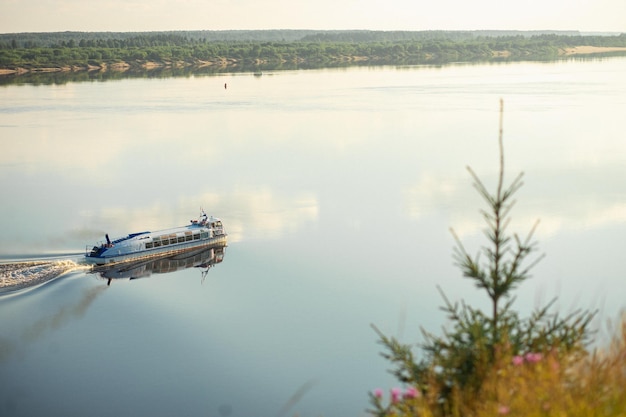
x: 20, y: 275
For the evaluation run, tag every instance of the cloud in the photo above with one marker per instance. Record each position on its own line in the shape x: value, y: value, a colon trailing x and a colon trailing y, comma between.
x: 563, y: 203
x: 264, y: 214
x: 247, y: 214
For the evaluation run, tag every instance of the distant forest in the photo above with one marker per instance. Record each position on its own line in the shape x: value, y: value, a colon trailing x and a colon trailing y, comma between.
x: 76, y: 51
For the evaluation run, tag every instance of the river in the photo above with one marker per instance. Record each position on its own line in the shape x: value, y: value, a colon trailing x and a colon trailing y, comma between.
x: 337, y: 189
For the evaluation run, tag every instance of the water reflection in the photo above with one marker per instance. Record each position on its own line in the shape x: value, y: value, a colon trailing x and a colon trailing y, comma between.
x: 203, y: 259
x: 301, y: 167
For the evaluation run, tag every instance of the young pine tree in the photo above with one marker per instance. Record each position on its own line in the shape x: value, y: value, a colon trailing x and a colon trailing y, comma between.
x: 454, y: 365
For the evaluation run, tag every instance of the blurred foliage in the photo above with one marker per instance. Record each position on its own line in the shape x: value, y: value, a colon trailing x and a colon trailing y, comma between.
x: 551, y: 384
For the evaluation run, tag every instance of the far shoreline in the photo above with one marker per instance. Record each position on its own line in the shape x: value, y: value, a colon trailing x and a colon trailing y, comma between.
x: 585, y: 50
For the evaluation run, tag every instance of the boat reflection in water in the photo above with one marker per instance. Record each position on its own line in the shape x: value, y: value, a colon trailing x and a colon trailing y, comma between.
x: 204, y: 259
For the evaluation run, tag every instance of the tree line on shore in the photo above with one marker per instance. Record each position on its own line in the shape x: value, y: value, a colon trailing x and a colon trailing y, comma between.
x: 78, y: 50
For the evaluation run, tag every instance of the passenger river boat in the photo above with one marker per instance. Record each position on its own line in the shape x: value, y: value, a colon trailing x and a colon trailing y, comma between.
x: 204, y: 259
x: 204, y: 232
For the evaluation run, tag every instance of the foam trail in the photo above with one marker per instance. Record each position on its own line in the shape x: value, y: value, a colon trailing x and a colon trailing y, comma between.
x: 18, y: 275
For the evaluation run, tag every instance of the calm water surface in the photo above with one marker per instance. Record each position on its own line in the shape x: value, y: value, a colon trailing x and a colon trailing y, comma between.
x: 337, y: 189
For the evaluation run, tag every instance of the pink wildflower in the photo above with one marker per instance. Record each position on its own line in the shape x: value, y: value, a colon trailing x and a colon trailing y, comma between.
x: 533, y: 357
x: 503, y: 410
x: 411, y: 392
x: 378, y: 393
x: 395, y: 395
x: 518, y: 360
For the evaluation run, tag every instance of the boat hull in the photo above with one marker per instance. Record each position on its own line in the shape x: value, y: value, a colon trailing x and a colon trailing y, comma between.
x: 110, y: 257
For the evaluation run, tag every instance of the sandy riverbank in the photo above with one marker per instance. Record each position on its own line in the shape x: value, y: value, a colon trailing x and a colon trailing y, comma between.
x: 584, y: 50
x: 119, y: 66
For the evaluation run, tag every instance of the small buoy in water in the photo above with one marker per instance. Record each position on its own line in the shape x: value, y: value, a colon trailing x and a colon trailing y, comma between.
x: 225, y: 86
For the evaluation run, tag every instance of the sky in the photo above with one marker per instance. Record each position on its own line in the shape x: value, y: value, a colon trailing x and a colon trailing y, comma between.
x: 164, y: 15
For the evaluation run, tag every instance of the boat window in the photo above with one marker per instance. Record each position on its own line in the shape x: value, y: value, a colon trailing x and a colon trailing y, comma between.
x: 157, y: 243
x: 181, y: 239
x: 204, y: 235
x: 165, y: 242
x: 196, y: 236
x: 148, y: 245
x: 188, y: 238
